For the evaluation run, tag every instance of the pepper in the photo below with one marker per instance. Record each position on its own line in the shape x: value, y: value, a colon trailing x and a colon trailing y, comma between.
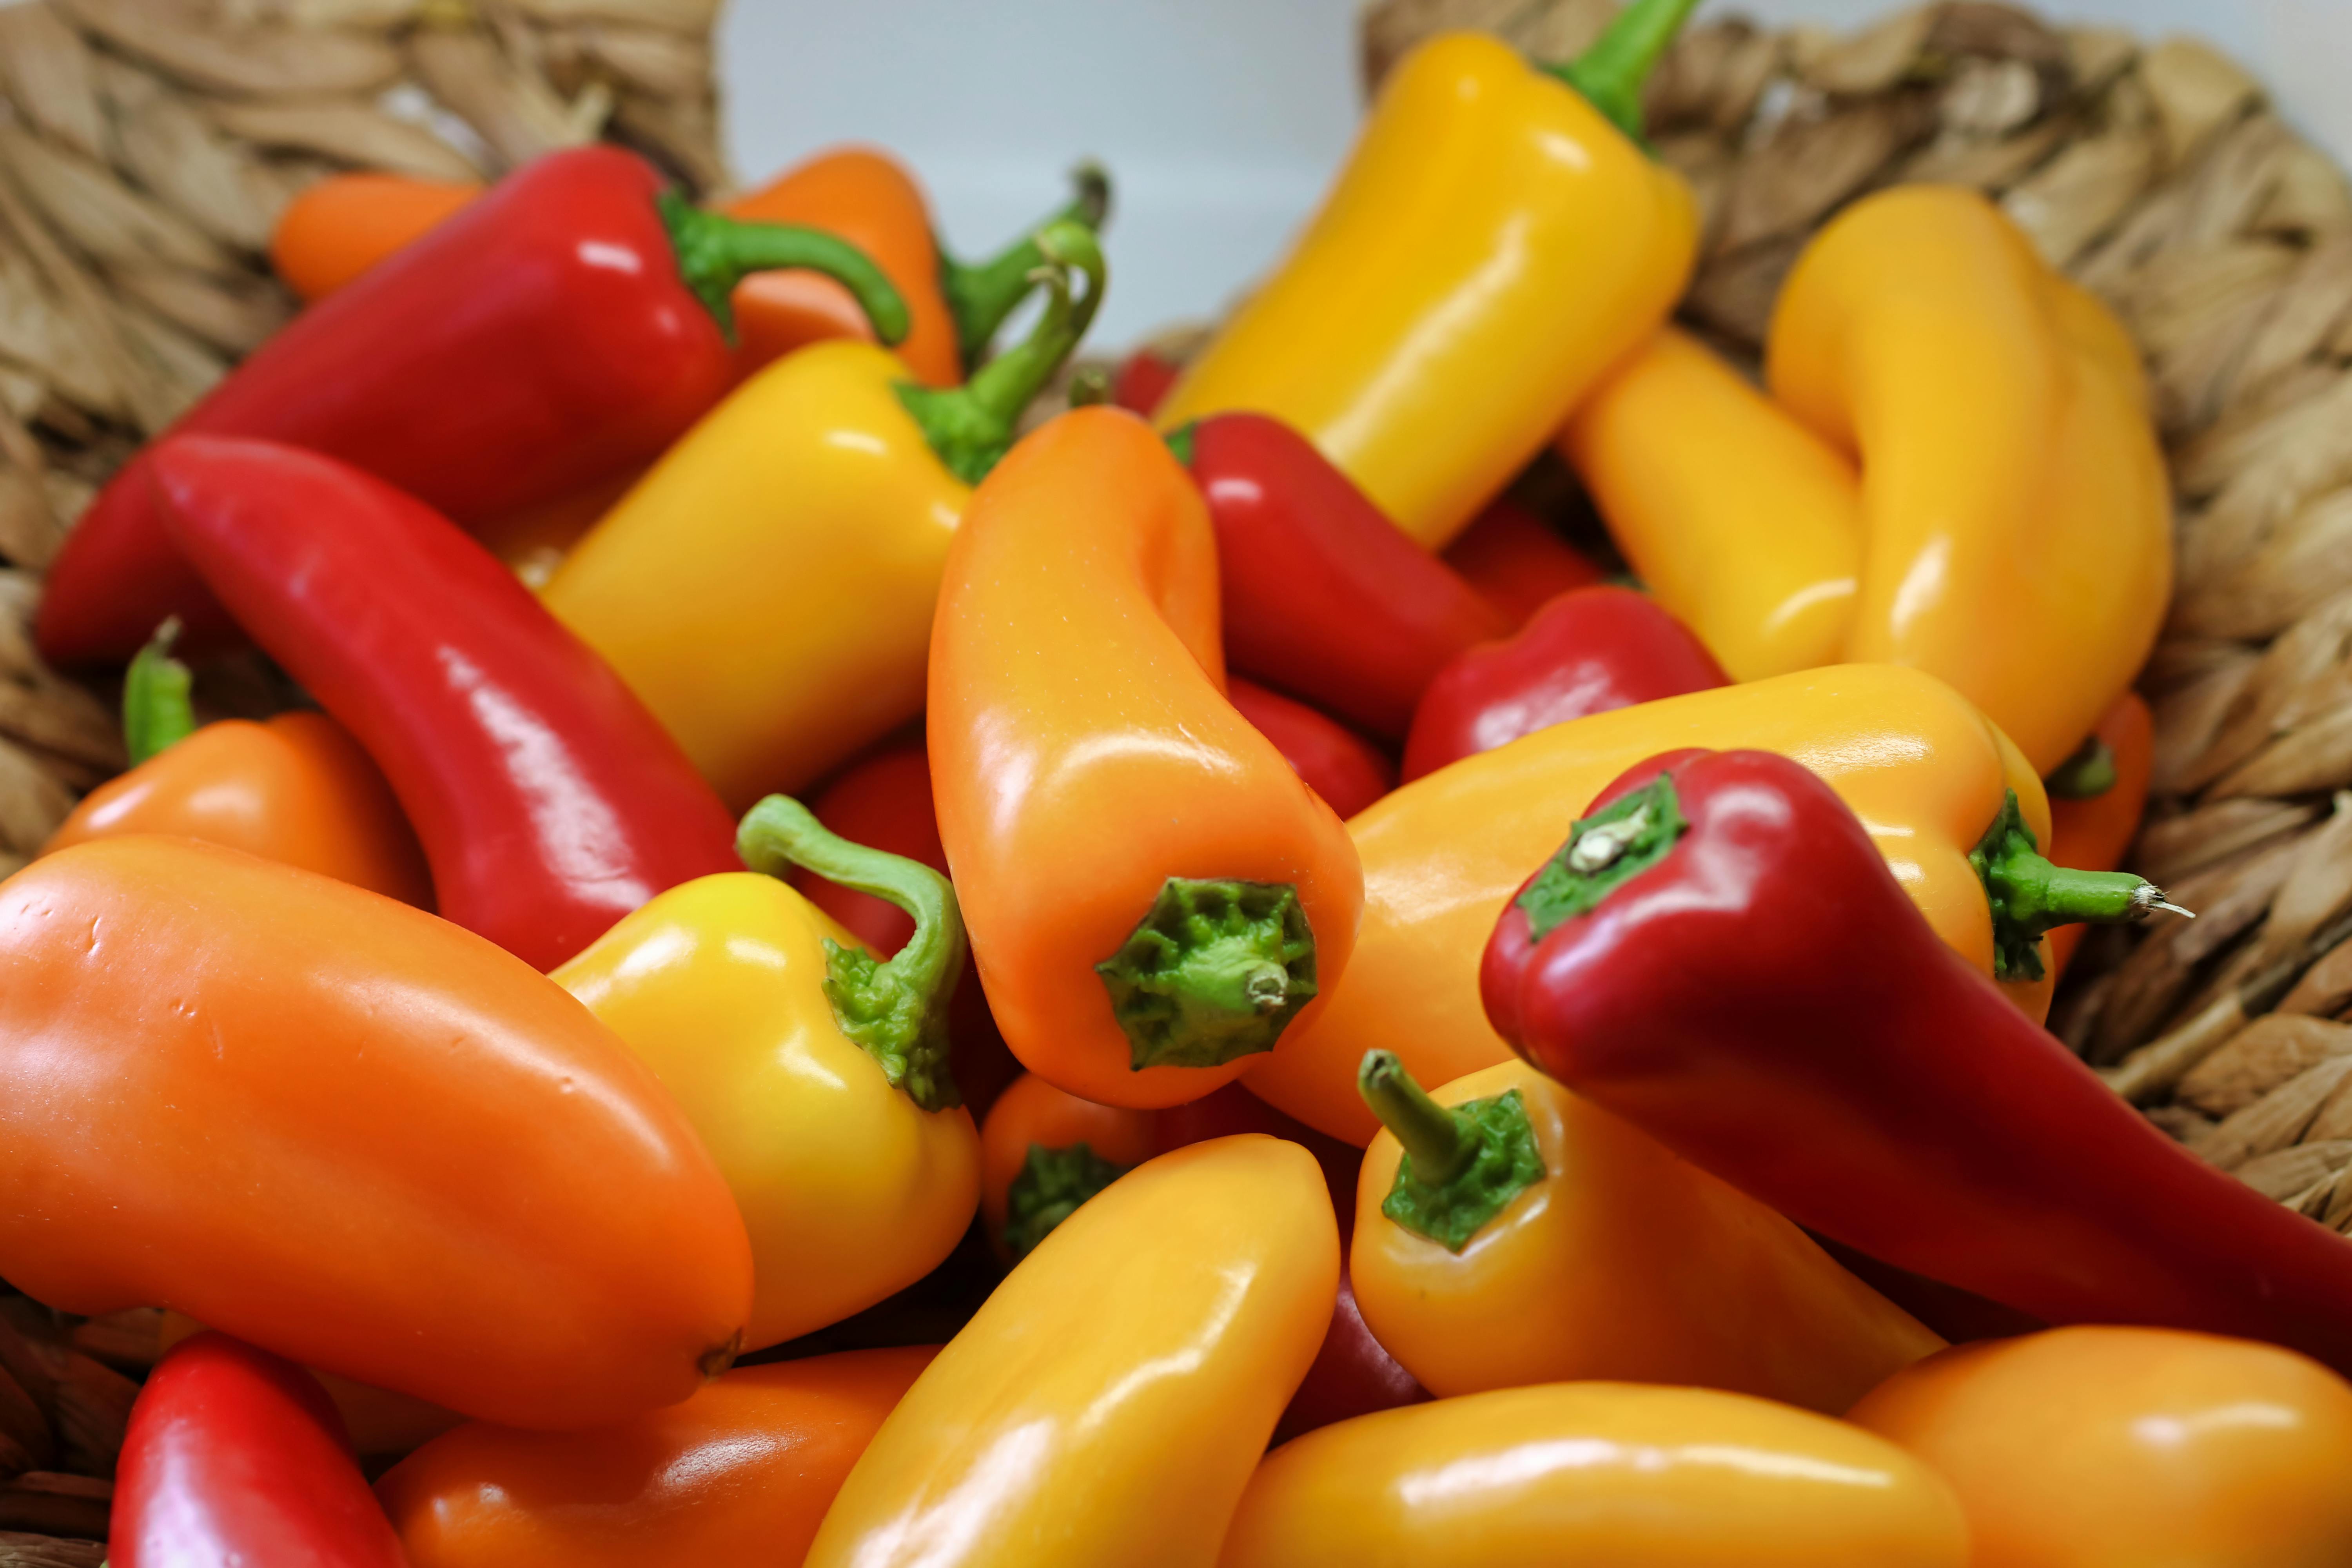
x: 736, y: 1476
x: 1232, y: 1109
x: 233, y: 1455
x: 1449, y: 305
x: 1753, y: 989
x: 383, y: 1425
x: 2017, y: 520
x: 1043, y: 1152
x: 1511, y: 1232
x: 548, y: 800
x: 337, y: 229
x: 341, y: 1128
x: 568, y: 326
x: 1742, y: 521
x: 1143, y: 381
x: 1154, y: 895
x: 1322, y: 597
x: 2088, y: 1445
x: 1587, y: 651
x: 1108, y: 1401
x: 1595, y: 1472
x: 1518, y: 563
x: 1353, y: 1374
x: 2096, y: 799
x: 1444, y: 854
x: 1341, y: 766
x: 768, y: 590
x: 296, y: 788
x: 817, y: 1075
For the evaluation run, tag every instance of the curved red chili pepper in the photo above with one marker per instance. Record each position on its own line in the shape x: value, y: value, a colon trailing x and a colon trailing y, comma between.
x: 1339, y: 764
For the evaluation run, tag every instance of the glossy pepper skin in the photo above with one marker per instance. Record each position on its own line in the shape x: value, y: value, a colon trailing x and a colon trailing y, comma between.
x: 1047, y: 1152
x: 1109, y: 1400
x: 381, y: 1425
x: 1346, y: 770
x: 233, y: 1455
x: 736, y: 1476
x: 1587, y: 651
x: 548, y: 802
x: 1153, y: 893
x: 1448, y: 307
x: 449, y: 1179
x: 1353, y: 1374
x: 1321, y: 596
x: 1518, y: 563
x: 338, y: 228
x: 1743, y: 522
x: 2017, y: 517
x: 2090, y: 1445
x: 2096, y: 802
x: 1595, y: 1472
x: 818, y: 1080
x: 543, y: 338
x: 1763, y: 999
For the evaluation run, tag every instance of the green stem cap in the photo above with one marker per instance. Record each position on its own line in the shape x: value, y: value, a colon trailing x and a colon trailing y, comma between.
x: 1614, y: 71
x: 2029, y: 896
x: 156, y: 711
x: 1462, y: 1166
x: 2087, y: 774
x: 1604, y: 852
x: 896, y: 1008
x: 1213, y: 972
x: 1051, y: 1184
x: 980, y: 295
x: 716, y: 252
x: 972, y: 426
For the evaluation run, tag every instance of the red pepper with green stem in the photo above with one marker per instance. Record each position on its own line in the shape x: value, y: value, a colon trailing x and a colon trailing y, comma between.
x: 1719, y: 956
x: 568, y: 326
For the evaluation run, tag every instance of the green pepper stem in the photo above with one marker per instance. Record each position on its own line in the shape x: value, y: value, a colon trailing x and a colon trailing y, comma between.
x: 2029, y: 896
x: 2087, y: 774
x: 1612, y: 73
x: 1462, y: 1164
x: 1441, y: 1147
x: 980, y: 295
x: 896, y: 1008
x: 971, y: 427
x: 157, y: 711
x: 716, y: 252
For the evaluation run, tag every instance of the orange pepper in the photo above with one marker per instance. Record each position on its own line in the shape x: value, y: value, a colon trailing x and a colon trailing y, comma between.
x: 738, y: 1476
x: 344, y: 225
x: 2091, y: 830
x: 1153, y: 893
x: 1057, y: 1150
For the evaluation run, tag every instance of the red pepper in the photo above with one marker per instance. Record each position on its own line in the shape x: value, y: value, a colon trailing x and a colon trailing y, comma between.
x: 1323, y: 595
x: 1587, y: 651
x: 549, y: 802
x: 1339, y: 764
x: 1353, y: 1374
x: 568, y: 326
x: 1517, y: 562
x: 1143, y: 380
x: 1720, y: 955
x: 233, y: 1455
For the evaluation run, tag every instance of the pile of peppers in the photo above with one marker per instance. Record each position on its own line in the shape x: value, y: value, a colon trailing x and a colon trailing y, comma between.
x: 864, y: 953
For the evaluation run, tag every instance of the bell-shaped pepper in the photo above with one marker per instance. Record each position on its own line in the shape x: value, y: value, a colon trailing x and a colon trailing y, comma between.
x: 1450, y: 303
x: 1348, y: 771
x: 2096, y: 800
x: 1444, y: 855
x: 569, y: 326
x: 2088, y: 1445
x: 1596, y: 1472
x: 1752, y: 988
x: 1110, y: 1398
x: 817, y: 1075
x: 768, y: 588
x: 736, y: 1476
x: 2016, y: 515
x: 1587, y: 651
x: 1518, y: 563
x: 1742, y: 521
x: 1154, y: 895
x: 1509, y: 1233
x: 1043, y: 1152
x: 350, y: 1132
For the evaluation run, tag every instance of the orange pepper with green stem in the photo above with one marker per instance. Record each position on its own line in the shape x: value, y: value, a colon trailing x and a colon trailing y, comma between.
x: 1043, y: 1152
x: 2096, y: 800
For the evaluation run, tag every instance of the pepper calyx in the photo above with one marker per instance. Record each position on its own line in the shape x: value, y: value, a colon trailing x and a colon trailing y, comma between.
x: 1613, y: 72
x: 980, y: 295
x: 157, y: 710
x: 1214, y: 971
x: 1184, y: 441
x: 2028, y: 895
x: 716, y: 252
x: 1604, y: 852
x: 2087, y: 774
x: 1462, y: 1165
x: 1049, y: 1189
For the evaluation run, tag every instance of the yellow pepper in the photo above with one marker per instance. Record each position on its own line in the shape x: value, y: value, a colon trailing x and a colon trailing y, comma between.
x: 1492, y: 245
x: 1602, y: 1473
x: 767, y: 588
x: 1110, y: 1399
x: 1736, y: 516
x: 816, y: 1076
x: 2017, y: 521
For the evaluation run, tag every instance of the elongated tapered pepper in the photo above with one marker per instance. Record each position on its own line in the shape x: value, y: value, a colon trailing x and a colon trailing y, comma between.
x: 1449, y: 305
x: 1511, y: 1232
x: 768, y: 589
x: 1595, y: 1472
x: 345, y: 1129
x: 1322, y: 595
x: 1740, y: 520
x: 233, y: 1455
x: 548, y: 802
x: 1154, y: 896
x: 1444, y: 854
x: 1587, y: 651
x: 2096, y: 800
x: 569, y: 326
x: 1518, y: 563
x: 1110, y: 1399
x: 817, y: 1077
x: 1750, y: 986
x: 1043, y: 1152
x: 1348, y: 771
x: 2016, y: 515
x: 337, y: 229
